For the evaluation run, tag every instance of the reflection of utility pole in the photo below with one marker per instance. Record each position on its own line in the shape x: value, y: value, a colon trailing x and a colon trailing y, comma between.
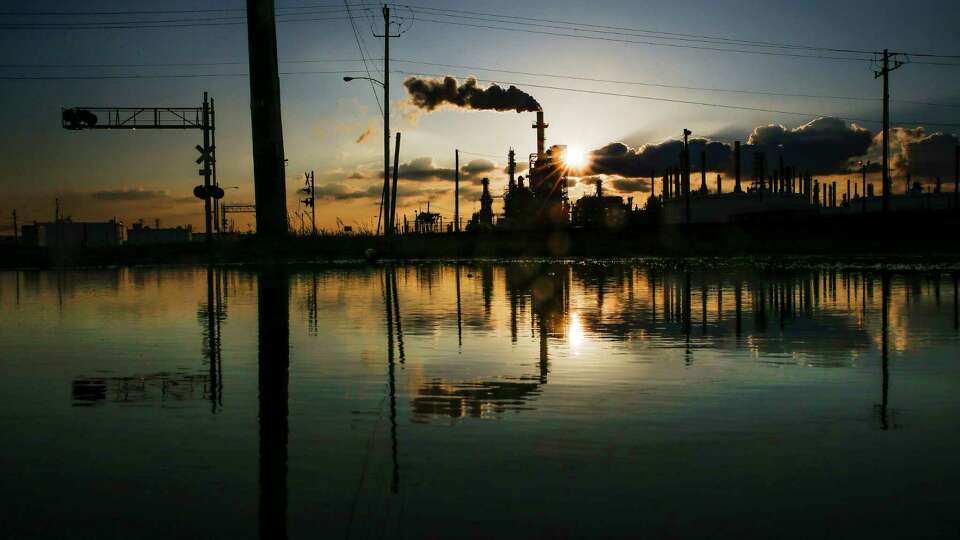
x: 513, y: 313
x: 391, y: 376
x: 884, y: 329
x: 273, y: 358
x: 885, y: 73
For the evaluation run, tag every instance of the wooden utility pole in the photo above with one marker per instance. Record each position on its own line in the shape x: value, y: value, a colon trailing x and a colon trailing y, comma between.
x: 16, y: 232
x: 885, y: 73
x: 456, y: 190
x: 265, y: 120
x: 393, y: 199
x: 686, y: 175
x: 207, y: 173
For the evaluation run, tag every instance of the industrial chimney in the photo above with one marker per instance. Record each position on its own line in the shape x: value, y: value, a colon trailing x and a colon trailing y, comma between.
x: 541, y: 137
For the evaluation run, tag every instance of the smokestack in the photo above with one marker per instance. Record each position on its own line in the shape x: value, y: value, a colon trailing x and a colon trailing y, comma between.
x: 956, y: 182
x: 736, y: 167
x: 511, y: 167
x: 541, y: 137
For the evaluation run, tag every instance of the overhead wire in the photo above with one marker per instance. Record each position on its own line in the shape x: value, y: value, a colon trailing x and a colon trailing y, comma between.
x: 363, y: 56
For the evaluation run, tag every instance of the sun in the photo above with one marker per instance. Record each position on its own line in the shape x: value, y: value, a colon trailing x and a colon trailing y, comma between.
x: 575, y: 158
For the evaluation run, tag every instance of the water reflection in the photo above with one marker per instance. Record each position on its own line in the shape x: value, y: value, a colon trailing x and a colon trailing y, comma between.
x: 556, y: 363
x: 273, y: 360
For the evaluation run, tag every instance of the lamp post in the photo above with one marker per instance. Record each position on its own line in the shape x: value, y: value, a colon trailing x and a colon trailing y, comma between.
x: 388, y: 227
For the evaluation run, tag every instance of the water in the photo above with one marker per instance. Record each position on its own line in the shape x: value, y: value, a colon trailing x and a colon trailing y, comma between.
x: 485, y: 400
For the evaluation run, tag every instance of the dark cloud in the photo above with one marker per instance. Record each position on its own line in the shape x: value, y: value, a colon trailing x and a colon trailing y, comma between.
x: 478, y: 166
x: 631, y: 185
x: 422, y: 169
x: 521, y: 166
x: 822, y: 146
x: 619, y: 159
x: 921, y: 154
x: 429, y: 94
x: 129, y: 195
x: 356, y: 175
x: 340, y: 192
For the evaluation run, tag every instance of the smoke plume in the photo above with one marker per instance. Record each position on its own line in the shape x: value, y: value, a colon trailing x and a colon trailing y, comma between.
x: 430, y: 94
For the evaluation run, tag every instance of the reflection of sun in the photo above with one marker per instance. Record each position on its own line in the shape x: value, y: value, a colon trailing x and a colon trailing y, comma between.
x: 575, y: 158
x: 575, y: 332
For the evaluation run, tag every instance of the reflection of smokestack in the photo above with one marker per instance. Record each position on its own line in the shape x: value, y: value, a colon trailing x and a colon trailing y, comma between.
x: 541, y: 137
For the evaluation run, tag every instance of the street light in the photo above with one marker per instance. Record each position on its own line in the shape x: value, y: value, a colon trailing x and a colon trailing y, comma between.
x: 388, y: 227
x: 348, y: 79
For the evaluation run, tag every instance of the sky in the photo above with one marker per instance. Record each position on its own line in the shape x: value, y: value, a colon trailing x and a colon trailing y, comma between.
x: 335, y: 129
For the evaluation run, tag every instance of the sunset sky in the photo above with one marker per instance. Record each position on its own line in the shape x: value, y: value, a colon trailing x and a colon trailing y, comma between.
x: 334, y: 128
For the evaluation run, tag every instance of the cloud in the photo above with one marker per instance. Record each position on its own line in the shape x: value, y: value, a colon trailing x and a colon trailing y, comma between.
x: 521, y: 166
x: 919, y: 153
x: 631, y: 185
x: 822, y: 146
x: 478, y: 166
x: 422, y: 169
x: 340, y: 192
x: 652, y: 159
x: 357, y: 175
x: 364, y: 136
x: 129, y: 195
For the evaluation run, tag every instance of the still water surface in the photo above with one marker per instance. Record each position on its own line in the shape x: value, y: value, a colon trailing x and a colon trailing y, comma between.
x: 478, y: 400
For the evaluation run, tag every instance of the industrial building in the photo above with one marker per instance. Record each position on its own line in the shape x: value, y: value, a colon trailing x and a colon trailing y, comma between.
x: 144, y: 235
x: 69, y: 234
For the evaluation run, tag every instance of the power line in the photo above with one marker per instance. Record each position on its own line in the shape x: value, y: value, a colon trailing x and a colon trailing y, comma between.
x: 674, y: 35
x: 165, y: 76
x: 673, y: 86
x: 687, y: 102
x: 363, y: 56
x: 652, y: 43
x: 166, y: 11
x: 438, y: 64
x: 121, y: 26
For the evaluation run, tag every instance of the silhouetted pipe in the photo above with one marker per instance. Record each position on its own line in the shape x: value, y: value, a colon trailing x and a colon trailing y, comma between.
x: 736, y: 167
x: 703, y: 171
x: 956, y: 179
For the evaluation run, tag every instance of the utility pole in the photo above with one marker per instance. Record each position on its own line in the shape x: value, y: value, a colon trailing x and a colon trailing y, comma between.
x: 456, y: 189
x: 265, y: 120
x: 393, y: 199
x: 885, y: 73
x: 16, y: 232
x: 686, y: 174
x: 213, y: 166
x: 207, y: 172
x: 388, y: 227
x: 310, y: 201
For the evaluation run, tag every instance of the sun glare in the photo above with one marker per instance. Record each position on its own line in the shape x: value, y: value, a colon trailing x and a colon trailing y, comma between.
x: 575, y: 158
